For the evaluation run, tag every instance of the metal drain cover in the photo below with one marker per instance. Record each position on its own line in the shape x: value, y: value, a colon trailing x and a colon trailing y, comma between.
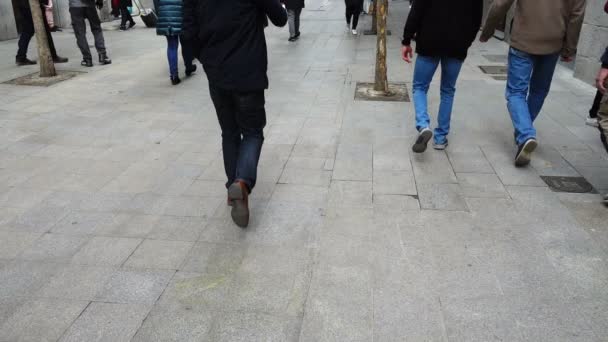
x: 577, y: 185
x: 500, y: 77
x: 497, y: 58
x: 494, y: 69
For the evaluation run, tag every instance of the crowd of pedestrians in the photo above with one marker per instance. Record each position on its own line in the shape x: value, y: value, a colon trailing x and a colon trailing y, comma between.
x: 227, y: 37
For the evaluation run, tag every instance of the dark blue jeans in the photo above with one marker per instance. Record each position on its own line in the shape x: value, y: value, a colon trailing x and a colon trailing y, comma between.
x: 172, y: 47
x: 27, y: 32
x: 528, y: 85
x: 242, y: 118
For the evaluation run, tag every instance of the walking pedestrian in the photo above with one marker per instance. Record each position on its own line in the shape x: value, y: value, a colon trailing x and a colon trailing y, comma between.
x: 353, y: 10
x: 445, y: 29
x: 22, y: 8
x: 294, y: 9
x: 232, y: 48
x: 170, y: 21
x: 79, y: 11
x: 50, y: 18
x: 125, y: 15
x: 543, y: 30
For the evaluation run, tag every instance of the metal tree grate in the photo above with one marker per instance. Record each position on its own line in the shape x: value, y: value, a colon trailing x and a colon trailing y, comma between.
x: 577, y: 185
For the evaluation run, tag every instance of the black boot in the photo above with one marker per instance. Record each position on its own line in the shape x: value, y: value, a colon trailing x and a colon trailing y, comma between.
x: 59, y: 60
x: 191, y: 70
x: 103, y: 59
x: 175, y: 80
x: 87, y: 63
x: 21, y: 61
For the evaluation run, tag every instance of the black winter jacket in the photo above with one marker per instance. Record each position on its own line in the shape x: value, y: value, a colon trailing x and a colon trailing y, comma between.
x: 294, y: 4
x: 443, y: 28
x: 229, y: 39
x: 605, y: 59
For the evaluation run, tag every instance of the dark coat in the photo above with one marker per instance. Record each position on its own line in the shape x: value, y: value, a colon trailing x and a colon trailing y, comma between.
x: 170, y: 17
x: 126, y: 3
x: 605, y: 59
x: 228, y: 39
x: 443, y: 28
x: 294, y: 4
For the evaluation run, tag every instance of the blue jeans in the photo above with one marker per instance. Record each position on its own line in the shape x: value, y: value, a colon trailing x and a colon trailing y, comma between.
x: 528, y: 85
x: 172, y: 47
x: 423, y: 75
x: 242, y: 118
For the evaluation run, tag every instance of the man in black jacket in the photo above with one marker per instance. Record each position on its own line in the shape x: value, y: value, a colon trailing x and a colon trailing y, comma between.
x: 27, y: 32
x: 444, y: 31
x: 229, y: 41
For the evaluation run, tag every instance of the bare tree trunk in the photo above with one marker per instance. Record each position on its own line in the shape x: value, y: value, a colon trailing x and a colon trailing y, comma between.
x: 381, y: 82
x: 374, y: 29
x: 47, y: 67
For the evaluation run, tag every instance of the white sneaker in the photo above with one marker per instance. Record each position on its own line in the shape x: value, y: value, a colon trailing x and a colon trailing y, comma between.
x: 354, y: 32
x: 422, y: 140
x: 591, y: 121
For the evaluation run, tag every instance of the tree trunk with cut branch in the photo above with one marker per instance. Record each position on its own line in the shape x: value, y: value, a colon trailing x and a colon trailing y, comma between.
x: 45, y: 59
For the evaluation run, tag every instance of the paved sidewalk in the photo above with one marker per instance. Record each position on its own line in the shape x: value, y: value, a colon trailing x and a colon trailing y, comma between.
x: 113, y: 223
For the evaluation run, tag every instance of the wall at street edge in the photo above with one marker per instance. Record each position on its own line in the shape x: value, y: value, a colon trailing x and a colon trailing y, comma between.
x: 593, y: 41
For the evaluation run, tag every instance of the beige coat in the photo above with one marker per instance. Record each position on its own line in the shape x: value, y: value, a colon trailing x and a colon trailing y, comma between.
x: 540, y: 27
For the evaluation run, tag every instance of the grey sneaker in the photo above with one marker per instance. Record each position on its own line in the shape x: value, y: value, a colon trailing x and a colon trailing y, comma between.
x: 589, y: 121
x: 422, y: 140
x: 524, y: 152
x: 440, y: 147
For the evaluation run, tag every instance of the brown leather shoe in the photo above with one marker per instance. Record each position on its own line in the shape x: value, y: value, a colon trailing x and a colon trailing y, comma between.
x: 238, y: 194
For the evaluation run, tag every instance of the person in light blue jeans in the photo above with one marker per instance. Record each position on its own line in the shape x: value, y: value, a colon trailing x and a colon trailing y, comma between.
x: 528, y: 85
x: 423, y: 75
x: 444, y: 31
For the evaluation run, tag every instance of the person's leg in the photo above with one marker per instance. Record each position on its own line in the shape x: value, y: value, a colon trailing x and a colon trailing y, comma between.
x: 95, y: 23
x: 291, y: 19
x: 297, y: 20
x: 540, y: 82
x: 77, y: 14
x: 356, y: 13
x: 596, y: 105
x: 348, y: 15
x: 424, y: 70
x: 187, y: 53
x: 49, y: 37
x: 450, y: 69
x: 27, y: 32
x: 518, y: 83
x: 602, y: 119
x: 172, y: 47
x: 231, y: 133
x: 251, y: 118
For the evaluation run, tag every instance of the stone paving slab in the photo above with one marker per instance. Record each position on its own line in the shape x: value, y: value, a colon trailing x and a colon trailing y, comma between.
x: 114, y: 227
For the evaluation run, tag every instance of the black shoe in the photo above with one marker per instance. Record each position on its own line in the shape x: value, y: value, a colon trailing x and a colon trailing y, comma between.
x: 191, y: 70
x: 524, y: 152
x: 297, y: 35
x: 123, y: 28
x: 87, y: 63
x: 59, y: 60
x: 56, y: 29
x: 175, y: 80
x: 131, y: 24
x: 24, y: 61
x: 104, y: 60
x: 422, y: 140
x: 238, y: 195
x: 292, y: 39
